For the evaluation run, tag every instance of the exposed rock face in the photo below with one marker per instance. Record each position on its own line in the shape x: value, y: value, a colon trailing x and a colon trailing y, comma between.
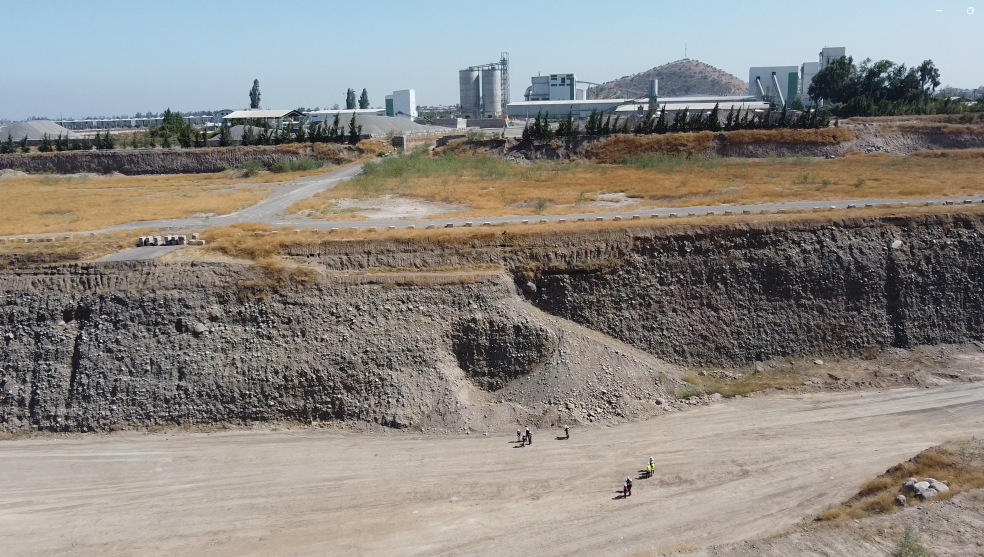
x: 740, y: 294
x: 163, y: 161
x: 116, y: 346
x: 124, y: 345
x: 495, y: 350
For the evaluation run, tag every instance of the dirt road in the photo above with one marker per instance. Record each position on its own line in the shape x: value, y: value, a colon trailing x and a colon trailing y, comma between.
x: 732, y: 471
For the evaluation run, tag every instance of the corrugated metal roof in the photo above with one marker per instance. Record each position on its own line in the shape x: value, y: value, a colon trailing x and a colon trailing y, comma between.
x: 241, y: 114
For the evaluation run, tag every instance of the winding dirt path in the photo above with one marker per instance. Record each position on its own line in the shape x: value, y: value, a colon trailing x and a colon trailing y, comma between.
x: 738, y: 470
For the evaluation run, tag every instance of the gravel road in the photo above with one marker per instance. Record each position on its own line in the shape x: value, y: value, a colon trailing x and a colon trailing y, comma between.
x: 732, y: 471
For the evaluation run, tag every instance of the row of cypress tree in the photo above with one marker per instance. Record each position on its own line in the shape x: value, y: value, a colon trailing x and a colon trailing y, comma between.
x: 683, y: 121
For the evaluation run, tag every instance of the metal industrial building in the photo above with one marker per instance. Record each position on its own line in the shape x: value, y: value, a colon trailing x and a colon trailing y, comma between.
x: 776, y: 84
x: 484, y: 89
x: 402, y: 103
x: 554, y: 87
x: 581, y: 109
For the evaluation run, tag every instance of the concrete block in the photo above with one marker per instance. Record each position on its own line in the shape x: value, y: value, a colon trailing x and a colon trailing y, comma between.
x: 526, y: 222
x: 729, y: 212
x: 431, y: 227
x: 391, y: 228
x: 673, y: 215
x: 617, y: 218
x: 580, y: 220
x: 449, y: 225
x: 486, y: 224
x: 411, y: 227
x: 636, y: 217
x: 746, y: 212
x: 332, y: 230
x: 543, y: 221
x: 599, y: 219
x: 194, y: 236
x: 468, y: 225
x: 561, y: 220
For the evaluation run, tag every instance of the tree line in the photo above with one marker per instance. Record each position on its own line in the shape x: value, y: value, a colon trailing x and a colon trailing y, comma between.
x: 883, y: 88
x: 683, y: 121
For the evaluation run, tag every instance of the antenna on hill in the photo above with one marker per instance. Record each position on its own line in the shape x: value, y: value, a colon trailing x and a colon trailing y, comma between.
x: 684, y: 51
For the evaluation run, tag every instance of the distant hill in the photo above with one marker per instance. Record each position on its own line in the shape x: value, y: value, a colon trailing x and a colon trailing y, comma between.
x: 676, y: 79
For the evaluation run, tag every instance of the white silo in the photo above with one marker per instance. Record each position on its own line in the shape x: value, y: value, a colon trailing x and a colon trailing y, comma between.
x: 471, y: 93
x: 492, y: 92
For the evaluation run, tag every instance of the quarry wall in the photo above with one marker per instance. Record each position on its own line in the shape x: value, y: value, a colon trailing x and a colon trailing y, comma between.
x: 570, y: 326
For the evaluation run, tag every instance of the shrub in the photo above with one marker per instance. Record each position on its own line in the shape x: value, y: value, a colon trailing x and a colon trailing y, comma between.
x: 294, y: 165
x: 251, y: 168
x: 909, y: 547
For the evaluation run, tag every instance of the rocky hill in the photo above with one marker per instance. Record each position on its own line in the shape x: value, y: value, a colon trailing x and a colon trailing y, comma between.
x: 676, y: 79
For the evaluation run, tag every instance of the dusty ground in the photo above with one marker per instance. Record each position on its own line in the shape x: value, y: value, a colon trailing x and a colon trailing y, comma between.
x: 727, y: 472
x: 949, y: 528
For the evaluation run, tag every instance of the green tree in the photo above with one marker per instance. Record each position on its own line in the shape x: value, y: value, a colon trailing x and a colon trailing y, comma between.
x: 355, y: 131
x: 713, y: 122
x: 254, y: 95
x: 225, y: 139
x: 834, y: 82
x: 248, y: 137
x: 7, y: 147
x: 45, y: 146
x: 364, y: 99
x: 350, y: 99
x: 23, y: 145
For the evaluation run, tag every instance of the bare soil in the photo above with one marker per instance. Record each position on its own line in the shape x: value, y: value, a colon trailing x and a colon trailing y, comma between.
x: 727, y: 472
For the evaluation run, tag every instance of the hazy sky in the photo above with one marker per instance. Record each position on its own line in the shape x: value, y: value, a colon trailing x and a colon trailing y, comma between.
x: 102, y: 57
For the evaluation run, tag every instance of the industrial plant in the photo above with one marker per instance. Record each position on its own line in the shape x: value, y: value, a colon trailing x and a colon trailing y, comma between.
x: 485, y: 89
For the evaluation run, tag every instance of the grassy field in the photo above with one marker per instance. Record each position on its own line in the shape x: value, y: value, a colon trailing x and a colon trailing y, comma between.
x: 491, y: 186
x: 51, y: 203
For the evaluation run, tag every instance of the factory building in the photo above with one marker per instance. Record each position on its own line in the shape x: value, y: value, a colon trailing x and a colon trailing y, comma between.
x: 581, y: 109
x: 402, y: 103
x: 809, y: 69
x: 775, y: 84
x: 554, y: 87
x: 484, y: 89
x: 344, y: 114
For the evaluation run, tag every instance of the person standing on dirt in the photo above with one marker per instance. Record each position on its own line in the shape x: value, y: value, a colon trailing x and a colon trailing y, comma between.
x: 628, y: 487
x: 519, y: 436
x: 567, y: 432
x: 529, y: 436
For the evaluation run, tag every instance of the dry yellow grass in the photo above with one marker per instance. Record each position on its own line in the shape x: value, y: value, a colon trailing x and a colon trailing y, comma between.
x: 51, y: 203
x: 958, y: 464
x: 81, y: 247
x: 259, y: 241
x: 557, y: 188
x: 751, y: 383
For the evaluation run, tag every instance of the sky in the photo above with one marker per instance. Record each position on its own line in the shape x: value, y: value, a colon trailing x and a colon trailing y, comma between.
x: 75, y: 58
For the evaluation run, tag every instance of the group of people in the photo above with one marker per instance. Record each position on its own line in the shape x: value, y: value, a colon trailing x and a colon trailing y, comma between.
x: 526, y: 438
x: 650, y: 471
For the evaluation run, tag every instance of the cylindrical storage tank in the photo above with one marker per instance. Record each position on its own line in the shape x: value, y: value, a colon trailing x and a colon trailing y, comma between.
x: 492, y: 92
x: 471, y: 94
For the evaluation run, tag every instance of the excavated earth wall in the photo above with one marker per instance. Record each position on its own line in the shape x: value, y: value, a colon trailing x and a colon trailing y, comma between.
x: 158, y: 161
x: 115, y: 346
x: 737, y: 293
x: 571, y: 327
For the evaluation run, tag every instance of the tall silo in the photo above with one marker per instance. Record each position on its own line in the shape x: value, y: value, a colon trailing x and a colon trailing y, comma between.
x: 471, y: 93
x: 492, y: 91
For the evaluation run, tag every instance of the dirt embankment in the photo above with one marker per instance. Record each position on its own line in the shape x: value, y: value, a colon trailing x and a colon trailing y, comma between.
x: 578, y: 327
x: 895, y: 138
x: 733, y: 294
x: 170, y: 161
x: 96, y: 348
